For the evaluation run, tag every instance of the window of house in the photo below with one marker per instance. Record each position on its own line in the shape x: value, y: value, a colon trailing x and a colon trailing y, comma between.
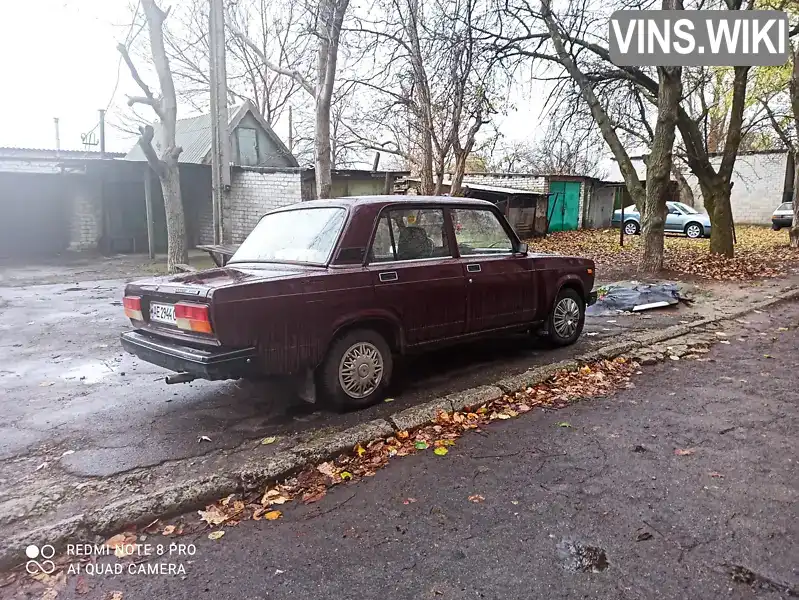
x: 479, y: 232
x: 248, y: 147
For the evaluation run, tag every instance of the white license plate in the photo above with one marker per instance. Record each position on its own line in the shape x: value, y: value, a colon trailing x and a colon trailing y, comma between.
x: 162, y: 313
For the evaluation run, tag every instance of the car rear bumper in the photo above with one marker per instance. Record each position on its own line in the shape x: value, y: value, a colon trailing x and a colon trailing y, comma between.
x: 782, y: 221
x: 214, y: 364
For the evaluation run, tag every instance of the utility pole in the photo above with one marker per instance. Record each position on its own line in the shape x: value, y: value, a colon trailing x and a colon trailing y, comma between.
x: 57, y: 134
x: 220, y: 136
x: 102, y: 133
x: 291, y: 133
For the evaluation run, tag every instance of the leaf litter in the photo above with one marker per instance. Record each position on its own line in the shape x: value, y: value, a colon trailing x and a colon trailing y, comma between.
x: 364, y: 460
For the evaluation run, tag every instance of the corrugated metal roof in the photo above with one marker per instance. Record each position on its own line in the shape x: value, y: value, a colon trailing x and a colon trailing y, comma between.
x: 194, y: 136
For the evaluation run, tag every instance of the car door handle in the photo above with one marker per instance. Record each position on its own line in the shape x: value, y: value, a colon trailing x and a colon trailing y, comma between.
x: 473, y: 268
x: 388, y: 276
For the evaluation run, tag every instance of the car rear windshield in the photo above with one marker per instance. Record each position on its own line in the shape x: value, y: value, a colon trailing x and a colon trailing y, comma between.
x: 304, y: 235
x: 786, y: 206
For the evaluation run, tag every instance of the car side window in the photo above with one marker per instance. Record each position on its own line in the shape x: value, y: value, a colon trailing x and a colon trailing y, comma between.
x: 479, y: 232
x: 410, y: 234
x: 383, y: 246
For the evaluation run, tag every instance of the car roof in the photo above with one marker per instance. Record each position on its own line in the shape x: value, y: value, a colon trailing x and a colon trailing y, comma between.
x: 391, y: 199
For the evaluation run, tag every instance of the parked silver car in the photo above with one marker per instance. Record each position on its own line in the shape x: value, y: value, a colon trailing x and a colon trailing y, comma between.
x: 783, y: 216
x: 680, y: 218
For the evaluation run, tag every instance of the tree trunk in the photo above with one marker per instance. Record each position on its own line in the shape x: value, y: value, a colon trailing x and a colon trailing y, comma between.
x: 323, y: 167
x: 686, y: 192
x: 717, y: 204
x: 175, y: 222
x: 167, y: 164
x: 601, y: 118
x: 794, y: 91
x: 456, y: 189
x: 794, y: 233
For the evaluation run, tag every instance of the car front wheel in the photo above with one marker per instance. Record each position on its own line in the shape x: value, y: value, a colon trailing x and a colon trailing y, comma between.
x: 566, y: 319
x: 631, y: 228
x: 356, y: 370
x: 694, y: 230
x: 775, y: 227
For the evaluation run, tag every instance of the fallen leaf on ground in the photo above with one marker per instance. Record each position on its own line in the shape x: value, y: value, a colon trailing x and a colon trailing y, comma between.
x: 421, y: 446
x: 268, y: 440
x: 346, y: 475
x: 203, y: 438
x: 272, y: 515
x: 315, y: 497
x: 563, y: 424
x: 41, y: 466
x: 360, y: 450
x: 81, y: 586
x: 717, y: 475
x: 389, y: 400
x: 115, y: 596
x: 476, y: 498
x: 643, y: 536
x: 215, y: 535
x: 409, y: 500
x: 213, y: 515
x: 684, y: 451
x: 440, y: 451
x: 402, y: 435
x: 326, y: 468
x: 274, y: 496
x: 169, y: 530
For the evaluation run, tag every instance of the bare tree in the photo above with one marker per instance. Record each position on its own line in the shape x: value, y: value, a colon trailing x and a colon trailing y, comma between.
x: 328, y: 19
x: 164, y: 165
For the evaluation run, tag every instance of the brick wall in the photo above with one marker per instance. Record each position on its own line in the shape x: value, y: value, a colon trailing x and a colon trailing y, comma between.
x: 519, y: 181
x: 758, y: 184
x: 86, y: 220
x: 254, y: 192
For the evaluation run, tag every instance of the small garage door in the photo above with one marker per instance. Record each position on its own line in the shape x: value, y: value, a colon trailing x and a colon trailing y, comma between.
x: 564, y: 205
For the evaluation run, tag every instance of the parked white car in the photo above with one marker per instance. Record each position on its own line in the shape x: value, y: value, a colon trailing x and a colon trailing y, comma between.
x: 783, y: 216
x: 680, y: 218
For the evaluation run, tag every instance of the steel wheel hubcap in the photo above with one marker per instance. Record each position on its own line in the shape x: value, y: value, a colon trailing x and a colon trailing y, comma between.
x: 629, y: 229
x: 693, y: 231
x: 360, y: 370
x: 566, y: 318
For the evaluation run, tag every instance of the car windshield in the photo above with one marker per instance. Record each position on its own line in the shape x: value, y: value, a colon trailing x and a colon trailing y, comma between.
x: 686, y: 209
x: 786, y: 206
x: 306, y: 235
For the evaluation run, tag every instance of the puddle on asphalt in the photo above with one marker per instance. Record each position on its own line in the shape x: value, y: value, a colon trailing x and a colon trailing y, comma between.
x: 93, y: 372
x: 581, y: 558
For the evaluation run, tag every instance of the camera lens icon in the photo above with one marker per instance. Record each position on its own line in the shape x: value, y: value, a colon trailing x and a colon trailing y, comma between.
x: 34, y: 566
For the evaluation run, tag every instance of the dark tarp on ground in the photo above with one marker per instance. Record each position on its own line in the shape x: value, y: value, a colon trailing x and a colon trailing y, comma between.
x: 625, y: 296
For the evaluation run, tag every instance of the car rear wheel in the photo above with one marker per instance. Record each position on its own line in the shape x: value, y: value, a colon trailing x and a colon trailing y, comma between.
x: 566, y: 320
x: 356, y: 370
x: 694, y: 230
x: 631, y: 228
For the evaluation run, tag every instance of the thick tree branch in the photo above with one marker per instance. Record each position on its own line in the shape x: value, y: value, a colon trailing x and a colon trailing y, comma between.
x: 293, y: 74
x: 149, y: 98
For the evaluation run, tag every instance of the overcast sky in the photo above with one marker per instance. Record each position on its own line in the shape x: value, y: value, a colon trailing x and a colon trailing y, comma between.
x: 59, y: 59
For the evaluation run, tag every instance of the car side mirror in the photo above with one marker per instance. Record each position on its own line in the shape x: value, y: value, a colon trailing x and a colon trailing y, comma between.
x: 523, y: 248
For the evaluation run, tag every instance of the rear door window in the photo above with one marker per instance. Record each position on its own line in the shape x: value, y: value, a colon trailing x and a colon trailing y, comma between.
x: 479, y: 232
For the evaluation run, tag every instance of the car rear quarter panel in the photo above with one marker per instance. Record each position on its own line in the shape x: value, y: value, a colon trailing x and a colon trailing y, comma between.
x: 290, y: 321
x: 555, y: 272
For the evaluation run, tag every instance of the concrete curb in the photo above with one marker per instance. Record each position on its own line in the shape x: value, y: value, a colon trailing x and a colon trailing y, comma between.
x: 195, y: 493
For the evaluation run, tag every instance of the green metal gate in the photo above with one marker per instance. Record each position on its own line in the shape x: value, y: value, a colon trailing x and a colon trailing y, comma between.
x: 564, y: 205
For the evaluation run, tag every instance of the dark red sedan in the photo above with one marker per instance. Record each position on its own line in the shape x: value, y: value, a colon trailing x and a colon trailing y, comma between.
x: 330, y: 290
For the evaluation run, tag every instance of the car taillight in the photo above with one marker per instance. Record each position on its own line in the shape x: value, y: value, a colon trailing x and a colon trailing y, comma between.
x: 193, y: 317
x: 132, y: 306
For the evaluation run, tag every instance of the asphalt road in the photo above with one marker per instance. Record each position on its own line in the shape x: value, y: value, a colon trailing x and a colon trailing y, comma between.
x: 604, y: 509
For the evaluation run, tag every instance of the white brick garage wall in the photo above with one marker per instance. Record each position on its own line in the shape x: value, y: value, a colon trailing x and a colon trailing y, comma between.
x: 254, y: 192
x: 758, y: 181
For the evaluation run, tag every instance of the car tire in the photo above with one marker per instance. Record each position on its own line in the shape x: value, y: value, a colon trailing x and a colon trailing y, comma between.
x: 694, y: 230
x: 775, y: 227
x: 566, y: 319
x: 356, y: 370
x: 631, y: 228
